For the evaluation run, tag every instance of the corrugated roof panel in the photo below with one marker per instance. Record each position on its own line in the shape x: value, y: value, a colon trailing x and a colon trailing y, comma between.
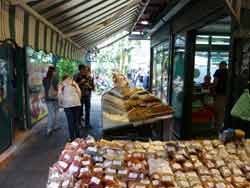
x: 87, y: 21
x: 94, y: 13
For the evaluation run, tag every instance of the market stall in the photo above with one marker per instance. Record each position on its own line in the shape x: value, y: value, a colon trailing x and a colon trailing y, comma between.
x: 125, y: 164
x: 125, y: 106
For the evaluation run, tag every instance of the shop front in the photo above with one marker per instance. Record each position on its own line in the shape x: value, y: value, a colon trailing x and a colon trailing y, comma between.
x: 6, y: 118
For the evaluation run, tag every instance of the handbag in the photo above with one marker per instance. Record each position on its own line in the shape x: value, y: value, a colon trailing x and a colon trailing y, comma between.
x: 241, y: 108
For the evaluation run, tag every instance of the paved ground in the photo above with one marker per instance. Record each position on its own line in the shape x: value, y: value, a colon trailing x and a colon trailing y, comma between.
x: 29, y: 169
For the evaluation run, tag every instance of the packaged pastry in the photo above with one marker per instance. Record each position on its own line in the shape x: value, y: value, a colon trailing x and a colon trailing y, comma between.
x: 74, y: 168
x: 206, y: 178
x: 225, y: 172
x: 95, y: 182
x: 219, y: 163
x: 110, y: 171
x: 176, y: 167
x: 215, y: 172
x: 240, y: 181
x: 183, y: 184
x: 246, y: 168
x: 156, y: 183
x: 209, y: 164
x: 146, y: 182
x: 98, y: 171
x: 67, y: 156
x: 220, y: 185
x: 188, y: 166
x: 85, y: 171
x: 197, y: 165
x: 107, y: 164
x: 133, y: 176
x: 122, y: 173
x: 109, y: 180
x: 86, y: 162
x: 179, y: 158
x: 167, y: 179
x: 197, y: 186
x: 237, y: 172
x: 61, y: 166
x: 171, y: 149
x: 132, y: 184
x: 160, y: 166
x: 194, y: 158
x: 208, y: 184
x: 218, y: 178
x: 98, y: 159
x: 91, y: 150
x: 117, y: 164
x: 180, y: 175
x: 203, y: 171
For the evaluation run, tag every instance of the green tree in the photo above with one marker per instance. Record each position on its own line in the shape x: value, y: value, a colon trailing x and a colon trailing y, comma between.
x: 66, y: 67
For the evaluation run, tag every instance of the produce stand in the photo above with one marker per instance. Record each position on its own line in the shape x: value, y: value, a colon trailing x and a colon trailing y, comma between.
x: 126, y: 164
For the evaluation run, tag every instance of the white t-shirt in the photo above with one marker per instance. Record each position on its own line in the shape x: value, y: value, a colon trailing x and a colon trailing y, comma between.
x: 69, y: 94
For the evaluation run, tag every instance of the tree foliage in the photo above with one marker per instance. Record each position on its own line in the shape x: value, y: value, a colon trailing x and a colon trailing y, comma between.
x: 66, y: 67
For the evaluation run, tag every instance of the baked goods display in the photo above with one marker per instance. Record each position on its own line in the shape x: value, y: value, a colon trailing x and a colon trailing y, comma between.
x: 124, y: 104
x: 176, y: 164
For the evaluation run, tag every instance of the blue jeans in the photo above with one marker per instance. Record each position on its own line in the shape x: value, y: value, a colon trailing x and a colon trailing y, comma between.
x: 72, y: 115
x: 52, y: 107
x: 87, y: 102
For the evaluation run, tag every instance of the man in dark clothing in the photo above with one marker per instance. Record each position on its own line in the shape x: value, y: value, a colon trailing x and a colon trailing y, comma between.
x: 86, y: 84
x: 220, y: 86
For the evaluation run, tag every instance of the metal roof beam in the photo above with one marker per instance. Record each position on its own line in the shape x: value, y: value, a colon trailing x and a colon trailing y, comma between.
x: 105, y: 37
x: 113, y: 14
x: 116, y: 22
x: 141, y: 14
x: 76, y: 11
x: 93, y: 13
x: 101, y: 22
x: 90, y: 38
x: 45, y: 4
x: 63, y: 7
x: 106, y: 29
x: 107, y: 33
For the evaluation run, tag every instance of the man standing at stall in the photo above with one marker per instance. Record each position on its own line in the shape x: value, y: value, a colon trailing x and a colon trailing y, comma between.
x: 220, y: 85
x: 86, y: 84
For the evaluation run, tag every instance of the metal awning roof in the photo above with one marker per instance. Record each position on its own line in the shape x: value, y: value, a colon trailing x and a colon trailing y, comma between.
x: 88, y: 21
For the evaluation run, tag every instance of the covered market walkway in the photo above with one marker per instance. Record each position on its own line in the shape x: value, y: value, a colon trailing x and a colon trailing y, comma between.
x: 188, y: 41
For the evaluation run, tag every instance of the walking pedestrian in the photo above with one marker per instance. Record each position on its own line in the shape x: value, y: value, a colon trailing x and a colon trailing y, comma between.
x: 86, y: 84
x: 69, y: 99
x: 50, y: 84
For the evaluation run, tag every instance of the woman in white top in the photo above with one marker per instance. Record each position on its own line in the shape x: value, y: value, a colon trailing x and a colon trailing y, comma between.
x: 69, y: 99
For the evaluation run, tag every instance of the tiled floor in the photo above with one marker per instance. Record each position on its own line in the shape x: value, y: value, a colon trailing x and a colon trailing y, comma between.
x: 29, y: 168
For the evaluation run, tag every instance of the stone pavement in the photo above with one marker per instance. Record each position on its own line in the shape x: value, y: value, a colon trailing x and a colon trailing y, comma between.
x: 29, y: 168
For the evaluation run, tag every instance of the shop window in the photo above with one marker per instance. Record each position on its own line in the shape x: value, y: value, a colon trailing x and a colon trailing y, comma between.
x: 201, y: 66
x: 178, y: 76
x: 216, y: 58
x: 202, y: 39
x: 160, y: 71
x: 220, y: 40
x: 37, y: 66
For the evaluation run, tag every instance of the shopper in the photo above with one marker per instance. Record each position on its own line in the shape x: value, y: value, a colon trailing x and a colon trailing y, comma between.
x: 50, y: 84
x: 220, y: 86
x: 69, y: 99
x: 86, y: 84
